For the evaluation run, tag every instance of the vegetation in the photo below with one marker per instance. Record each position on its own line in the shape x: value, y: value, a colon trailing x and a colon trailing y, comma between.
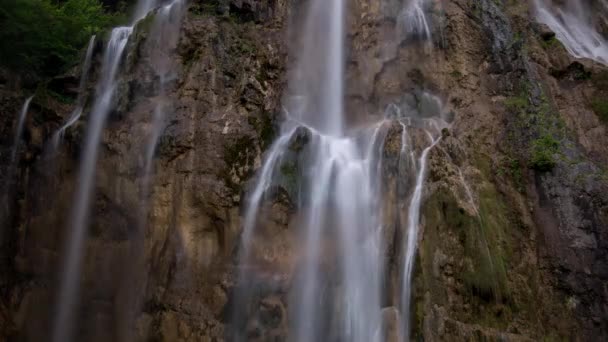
x: 600, y: 107
x: 264, y: 127
x: 511, y: 167
x: 45, y: 36
x: 549, y: 42
x: 546, y: 129
x: 543, y: 153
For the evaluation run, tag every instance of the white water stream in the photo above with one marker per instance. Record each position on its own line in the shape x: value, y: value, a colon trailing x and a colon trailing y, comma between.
x: 67, y: 301
x: 340, y: 197
x: 80, y: 101
x: 18, y: 133
x: 8, y: 183
x: 572, y: 23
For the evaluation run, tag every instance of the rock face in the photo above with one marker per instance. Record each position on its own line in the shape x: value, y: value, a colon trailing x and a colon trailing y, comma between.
x: 510, y: 248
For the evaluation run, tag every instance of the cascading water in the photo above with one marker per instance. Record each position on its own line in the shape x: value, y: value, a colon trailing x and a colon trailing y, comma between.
x: 80, y: 101
x: 12, y: 164
x: 68, y: 292
x: 144, y: 7
x: 69, y: 286
x: 19, y: 132
x: 340, y: 194
x: 418, y: 168
x: 421, y: 127
x: 573, y: 27
x: 163, y: 41
x: 413, y: 19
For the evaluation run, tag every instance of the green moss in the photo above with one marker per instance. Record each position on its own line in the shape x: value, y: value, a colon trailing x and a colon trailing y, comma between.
x: 517, y: 103
x: 600, y: 107
x: 44, y: 94
x: 456, y: 74
x: 289, y: 172
x: 540, y: 129
x: 511, y: 167
x: 145, y: 24
x: 549, y: 43
x: 543, y: 153
x: 264, y: 127
x: 483, y: 248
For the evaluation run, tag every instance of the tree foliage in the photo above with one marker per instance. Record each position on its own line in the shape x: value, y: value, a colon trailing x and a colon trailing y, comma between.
x: 45, y: 36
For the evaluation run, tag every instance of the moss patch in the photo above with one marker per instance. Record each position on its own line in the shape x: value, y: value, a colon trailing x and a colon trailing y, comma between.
x: 537, y: 130
x: 265, y: 128
x: 544, y: 150
x: 600, y: 107
x: 479, y: 248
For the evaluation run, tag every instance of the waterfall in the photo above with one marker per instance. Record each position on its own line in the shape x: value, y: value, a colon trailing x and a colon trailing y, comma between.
x: 340, y: 232
x: 413, y: 218
x: 67, y: 300
x: 68, y: 291
x: 18, y: 133
x: 80, y: 101
x: 317, y: 81
x: 413, y: 20
x: 12, y: 164
x: 574, y: 28
x: 144, y: 7
x: 162, y: 42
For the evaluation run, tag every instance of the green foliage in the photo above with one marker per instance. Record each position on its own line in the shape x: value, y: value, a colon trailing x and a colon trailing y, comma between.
x: 45, y: 36
x: 600, y: 107
x: 511, y: 167
x: 549, y: 43
x: 543, y: 153
x: 517, y: 103
x: 264, y: 127
x: 545, y: 129
x: 456, y: 74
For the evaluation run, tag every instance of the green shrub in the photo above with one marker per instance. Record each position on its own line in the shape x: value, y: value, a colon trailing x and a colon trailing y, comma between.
x: 45, y: 36
x: 543, y: 153
x: 600, y: 107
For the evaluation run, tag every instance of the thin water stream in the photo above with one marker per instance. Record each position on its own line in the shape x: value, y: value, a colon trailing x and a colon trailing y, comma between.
x: 67, y: 301
x: 73, y: 255
x: 18, y: 133
x: 8, y: 184
x: 80, y: 101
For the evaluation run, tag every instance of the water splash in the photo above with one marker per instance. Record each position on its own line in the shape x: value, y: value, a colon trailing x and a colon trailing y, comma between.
x: 573, y: 26
x: 80, y: 101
